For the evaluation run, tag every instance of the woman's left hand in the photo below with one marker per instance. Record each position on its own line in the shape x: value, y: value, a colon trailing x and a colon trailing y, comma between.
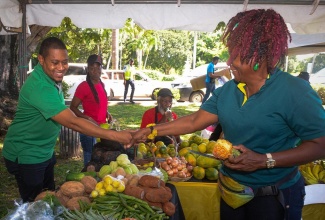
x: 247, y: 161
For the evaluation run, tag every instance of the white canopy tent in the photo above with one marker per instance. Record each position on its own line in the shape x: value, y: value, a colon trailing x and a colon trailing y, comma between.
x: 306, y: 18
x: 154, y: 16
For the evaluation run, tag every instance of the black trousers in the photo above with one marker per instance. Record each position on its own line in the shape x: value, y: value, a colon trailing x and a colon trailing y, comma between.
x: 127, y: 83
x: 269, y: 207
x: 33, y: 178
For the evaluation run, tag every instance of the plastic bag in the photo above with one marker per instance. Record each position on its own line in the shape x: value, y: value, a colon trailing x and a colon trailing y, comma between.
x: 39, y: 210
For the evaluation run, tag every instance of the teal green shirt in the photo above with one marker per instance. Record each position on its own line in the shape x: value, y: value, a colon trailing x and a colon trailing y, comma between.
x: 285, y: 110
x: 32, y: 135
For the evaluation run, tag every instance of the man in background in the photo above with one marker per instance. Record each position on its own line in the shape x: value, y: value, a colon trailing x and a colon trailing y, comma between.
x: 128, y: 74
x: 210, y: 78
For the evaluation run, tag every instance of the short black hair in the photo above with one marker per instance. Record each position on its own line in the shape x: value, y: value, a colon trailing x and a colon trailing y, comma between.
x: 51, y: 43
x: 215, y: 58
x: 304, y: 75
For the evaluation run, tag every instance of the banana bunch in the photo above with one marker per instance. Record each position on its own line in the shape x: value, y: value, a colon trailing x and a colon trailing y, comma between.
x: 314, y: 172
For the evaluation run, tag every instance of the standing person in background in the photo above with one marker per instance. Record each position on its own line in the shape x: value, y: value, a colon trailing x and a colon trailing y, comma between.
x: 263, y: 112
x: 210, y: 78
x: 28, y: 148
x: 304, y: 75
x: 161, y: 114
x: 128, y: 74
x: 93, y: 97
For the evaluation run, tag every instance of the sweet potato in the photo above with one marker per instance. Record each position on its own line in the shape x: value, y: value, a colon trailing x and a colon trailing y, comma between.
x: 169, y: 208
x: 89, y: 183
x: 73, y: 203
x: 151, y: 181
x: 134, y: 191
x: 158, y: 195
x: 72, y: 188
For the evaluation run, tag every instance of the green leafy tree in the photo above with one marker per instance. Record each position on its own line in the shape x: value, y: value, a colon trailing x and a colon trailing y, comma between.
x: 175, y: 48
x: 82, y: 42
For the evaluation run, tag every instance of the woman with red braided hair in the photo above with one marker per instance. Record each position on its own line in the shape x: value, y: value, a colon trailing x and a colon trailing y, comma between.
x: 264, y: 112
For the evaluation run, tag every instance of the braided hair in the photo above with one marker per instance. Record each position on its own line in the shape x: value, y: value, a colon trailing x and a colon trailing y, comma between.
x: 257, y: 35
x: 92, y: 87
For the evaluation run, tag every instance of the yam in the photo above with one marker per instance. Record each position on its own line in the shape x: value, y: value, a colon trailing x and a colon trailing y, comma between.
x: 158, y: 195
x: 73, y: 203
x: 151, y: 181
x: 134, y: 191
x: 89, y: 183
x: 43, y: 194
x: 169, y: 208
x: 72, y: 188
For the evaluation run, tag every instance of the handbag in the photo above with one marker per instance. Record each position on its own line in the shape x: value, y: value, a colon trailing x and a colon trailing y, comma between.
x: 234, y: 193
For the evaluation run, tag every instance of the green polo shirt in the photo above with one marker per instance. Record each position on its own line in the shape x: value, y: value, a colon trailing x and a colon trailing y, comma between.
x: 285, y: 109
x: 32, y: 135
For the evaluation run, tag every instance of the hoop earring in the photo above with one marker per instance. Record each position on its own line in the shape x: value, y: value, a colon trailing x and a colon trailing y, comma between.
x: 255, y: 68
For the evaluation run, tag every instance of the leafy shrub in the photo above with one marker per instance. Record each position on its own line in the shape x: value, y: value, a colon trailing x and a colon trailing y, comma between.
x: 65, y: 88
x: 320, y: 89
x: 168, y: 78
x: 321, y: 93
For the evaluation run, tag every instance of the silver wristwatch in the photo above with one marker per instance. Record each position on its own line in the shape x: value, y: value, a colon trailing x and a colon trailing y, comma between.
x: 270, y: 162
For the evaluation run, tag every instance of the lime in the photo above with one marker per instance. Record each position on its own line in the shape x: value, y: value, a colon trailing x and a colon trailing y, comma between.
x: 202, y: 148
x: 160, y: 144
x: 142, y: 149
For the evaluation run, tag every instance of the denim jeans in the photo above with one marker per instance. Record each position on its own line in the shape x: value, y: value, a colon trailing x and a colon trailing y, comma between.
x: 269, y: 207
x: 210, y: 87
x: 127, y: 83
x: 87, y: 144
x: 32, y: 179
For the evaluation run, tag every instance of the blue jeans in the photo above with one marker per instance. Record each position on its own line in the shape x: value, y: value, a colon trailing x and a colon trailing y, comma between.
x: 269, y: 207
x: 87, y: 144
x: 210, y: 87
x: 32, y: 179
x: 127, y: 83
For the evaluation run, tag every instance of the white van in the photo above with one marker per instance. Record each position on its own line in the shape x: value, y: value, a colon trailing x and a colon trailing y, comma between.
x: 145, y: 87
x: 185, y: 88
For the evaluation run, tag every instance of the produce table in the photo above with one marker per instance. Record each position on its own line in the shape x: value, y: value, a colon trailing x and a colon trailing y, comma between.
x: 201, y: 200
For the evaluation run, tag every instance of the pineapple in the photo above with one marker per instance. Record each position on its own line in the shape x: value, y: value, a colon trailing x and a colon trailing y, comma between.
x: 222, y: 149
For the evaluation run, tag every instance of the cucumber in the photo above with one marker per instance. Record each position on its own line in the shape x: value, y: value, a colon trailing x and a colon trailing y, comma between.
x: 74, y: 176
x: 90, y: 173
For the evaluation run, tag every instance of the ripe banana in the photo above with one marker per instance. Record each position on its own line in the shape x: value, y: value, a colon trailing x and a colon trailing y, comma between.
x: 315, y: 170
x: 321, y: 175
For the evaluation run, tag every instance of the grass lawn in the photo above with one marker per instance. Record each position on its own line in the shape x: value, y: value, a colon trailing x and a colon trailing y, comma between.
x: 129, y: 117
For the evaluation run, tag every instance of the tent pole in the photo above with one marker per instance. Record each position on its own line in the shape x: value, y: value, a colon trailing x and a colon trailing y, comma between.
x: 22, y: 56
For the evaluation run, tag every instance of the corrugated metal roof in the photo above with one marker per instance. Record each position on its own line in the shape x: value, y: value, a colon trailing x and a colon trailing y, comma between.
x: 277, y: 2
